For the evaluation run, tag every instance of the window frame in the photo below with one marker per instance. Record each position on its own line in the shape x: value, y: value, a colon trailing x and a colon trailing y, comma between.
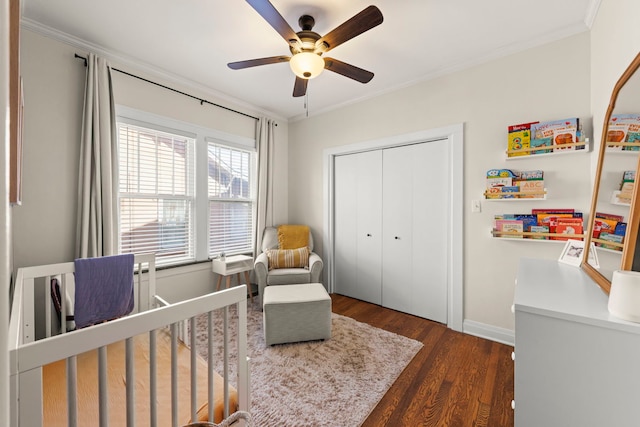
x: 203, y: 137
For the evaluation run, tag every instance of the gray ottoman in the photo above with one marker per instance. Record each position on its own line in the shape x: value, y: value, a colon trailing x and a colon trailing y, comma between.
x: 293, y: 313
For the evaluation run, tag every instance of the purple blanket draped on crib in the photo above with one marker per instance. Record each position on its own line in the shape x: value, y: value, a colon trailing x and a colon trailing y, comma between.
x: 104, y: 289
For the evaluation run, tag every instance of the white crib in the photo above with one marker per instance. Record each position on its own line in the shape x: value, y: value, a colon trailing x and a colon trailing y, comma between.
x: 153, y: 319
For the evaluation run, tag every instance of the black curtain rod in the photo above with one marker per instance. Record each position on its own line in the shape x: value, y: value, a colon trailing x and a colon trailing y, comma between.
x: 202, y: 101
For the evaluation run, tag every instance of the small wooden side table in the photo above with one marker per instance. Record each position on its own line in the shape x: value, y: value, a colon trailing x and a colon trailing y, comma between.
x: 231, y: 265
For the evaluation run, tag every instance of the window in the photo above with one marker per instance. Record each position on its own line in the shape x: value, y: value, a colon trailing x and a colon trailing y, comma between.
x: 185, y: 193
x: 157, y: 193
x: 230, y: 203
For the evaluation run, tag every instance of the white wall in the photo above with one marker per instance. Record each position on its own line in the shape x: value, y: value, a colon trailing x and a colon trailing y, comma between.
x: 615, y: 41
x: 5, y: 212
x: 544, y: 83
x: 45, y: 225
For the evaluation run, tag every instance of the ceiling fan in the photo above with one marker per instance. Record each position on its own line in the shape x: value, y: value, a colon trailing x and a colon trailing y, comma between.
x: 307, y: 46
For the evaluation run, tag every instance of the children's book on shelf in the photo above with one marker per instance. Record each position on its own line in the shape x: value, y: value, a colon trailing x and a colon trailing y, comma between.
x: 539, y: 143
x: 621, y: 229
x: 562, y: 132
x: 497, y: 179
x: 527, y: 220
x: 533, y: 189
x: 510, y: 226
x: 566, y: 223
x: 551, y: 220
x: 525, y: 184
x: 606, y: 223
x: 624, y: 128
x: 568, y: 227
x: 626, y: 188
x: 540, y: 229
x: 519, y: 138
x: 610, y: 237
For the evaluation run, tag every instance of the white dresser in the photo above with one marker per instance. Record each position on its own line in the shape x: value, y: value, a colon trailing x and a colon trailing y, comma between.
x: 575, y: 364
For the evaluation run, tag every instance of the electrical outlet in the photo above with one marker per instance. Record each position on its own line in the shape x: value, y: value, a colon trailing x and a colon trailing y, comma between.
x: 475, y: 206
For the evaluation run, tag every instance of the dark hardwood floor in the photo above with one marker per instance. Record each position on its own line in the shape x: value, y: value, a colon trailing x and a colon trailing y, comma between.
x: 455, y: 380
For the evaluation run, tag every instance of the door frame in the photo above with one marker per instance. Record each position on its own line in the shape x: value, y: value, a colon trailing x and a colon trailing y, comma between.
x: 454, y: 134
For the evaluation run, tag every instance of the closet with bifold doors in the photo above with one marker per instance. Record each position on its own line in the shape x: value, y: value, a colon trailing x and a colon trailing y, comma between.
x: 391, y: 221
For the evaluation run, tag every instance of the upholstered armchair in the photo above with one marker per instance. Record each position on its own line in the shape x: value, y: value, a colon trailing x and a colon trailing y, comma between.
x: 284, y: 276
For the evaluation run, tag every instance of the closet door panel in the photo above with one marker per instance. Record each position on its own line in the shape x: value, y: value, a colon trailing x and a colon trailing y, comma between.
x: 416, y: 218
x: 358, y: 201
x: 345, y: 245
x: 431, y: 219
x: 369, y: 226
x: 397, y: 269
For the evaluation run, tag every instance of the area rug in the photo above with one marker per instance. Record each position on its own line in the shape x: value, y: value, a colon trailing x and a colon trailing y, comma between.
x: 336, y: 382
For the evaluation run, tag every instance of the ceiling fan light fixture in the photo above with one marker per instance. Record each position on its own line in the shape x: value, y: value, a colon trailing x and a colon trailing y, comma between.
x: 306, y: 65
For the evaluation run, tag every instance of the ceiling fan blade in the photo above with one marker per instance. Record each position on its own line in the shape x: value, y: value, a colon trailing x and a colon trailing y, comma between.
x: 348, y: 70
x: 363, y: 21
x: 300, y: 87
x: 255, y: 62
x: 273, y: 17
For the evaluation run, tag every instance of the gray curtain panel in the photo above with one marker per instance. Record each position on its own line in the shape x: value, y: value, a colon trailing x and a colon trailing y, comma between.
x: 264, y: 215
x: 97, y: 210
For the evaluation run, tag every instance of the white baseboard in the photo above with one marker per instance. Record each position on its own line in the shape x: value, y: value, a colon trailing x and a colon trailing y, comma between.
x: 493, y: 333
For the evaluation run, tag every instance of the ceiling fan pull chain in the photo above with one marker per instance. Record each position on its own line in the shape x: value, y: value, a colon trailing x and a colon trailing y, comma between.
x: 306, y: 103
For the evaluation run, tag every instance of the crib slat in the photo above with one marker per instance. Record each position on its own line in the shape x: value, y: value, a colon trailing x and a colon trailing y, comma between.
x: 28, y: 322
x: 211, y: 367
x: 103, y: 395
x: 194, y: 370
x: 63, y: 304
x: 72, y: 392
x: 244, y: 383
x: 226, y: 361
x: 153, y: 392
x: 174, y: 374
x: 47, y: 306
x: 130, y: 383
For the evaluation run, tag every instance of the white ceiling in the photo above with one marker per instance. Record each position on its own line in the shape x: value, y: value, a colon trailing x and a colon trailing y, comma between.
x: 191, y: 41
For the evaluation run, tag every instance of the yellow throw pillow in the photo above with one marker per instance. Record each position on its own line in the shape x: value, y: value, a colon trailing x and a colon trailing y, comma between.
x: 288, y: 258
x: 293, y: 236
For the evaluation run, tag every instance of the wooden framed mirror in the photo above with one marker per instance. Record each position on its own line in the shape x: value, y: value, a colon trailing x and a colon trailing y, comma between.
x: 616, y: 156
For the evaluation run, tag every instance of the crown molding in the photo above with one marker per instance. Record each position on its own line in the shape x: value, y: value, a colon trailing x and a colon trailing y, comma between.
x: 592, y: 12
x: 134, y: 65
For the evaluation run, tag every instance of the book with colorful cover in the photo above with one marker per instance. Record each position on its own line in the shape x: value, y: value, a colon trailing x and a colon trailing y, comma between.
x: 609, y: 216
x: 633, y: 138
x: 616, y: 134
x: 541, y: 142
x: 537, y: 211
x: 603, y: 226
x: 510, y: 226
x: 531, y: 175
x: 496, y: 180
x: 528, y: 221
x: 561, y: 131
x: 624, y: 128
x: 568, y: 227
x: 610, y: 237
x: 504, y: 194
x: 563, y: 137
x: 551, y: 219
x: 621, y: 229
x: 539, y: 229
x: 518, y: 138
x: 534, y: 187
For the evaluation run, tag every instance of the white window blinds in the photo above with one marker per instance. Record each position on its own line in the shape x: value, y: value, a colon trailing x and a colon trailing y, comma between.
x: 230, y: 180
x: 156, y: 193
